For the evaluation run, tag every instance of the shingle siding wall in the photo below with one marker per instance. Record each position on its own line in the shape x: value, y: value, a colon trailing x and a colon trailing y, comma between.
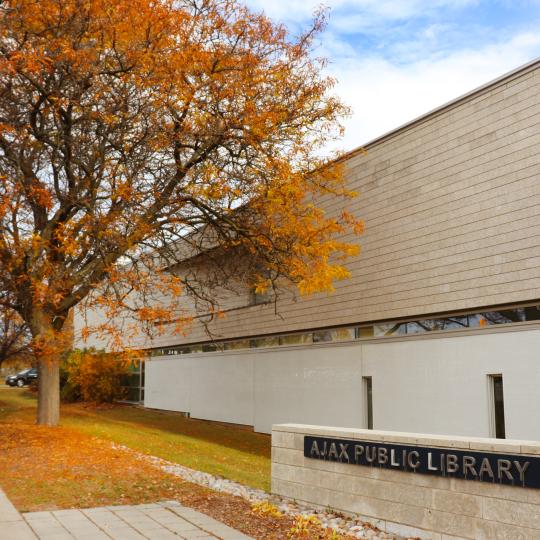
x: 452, y: 211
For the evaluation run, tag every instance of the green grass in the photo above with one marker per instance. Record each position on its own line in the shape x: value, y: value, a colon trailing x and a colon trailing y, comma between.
x: 226, y: 451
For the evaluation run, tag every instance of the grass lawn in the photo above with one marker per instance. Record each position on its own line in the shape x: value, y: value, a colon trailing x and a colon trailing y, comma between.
x: 227, y: 451
x: 75, y: 465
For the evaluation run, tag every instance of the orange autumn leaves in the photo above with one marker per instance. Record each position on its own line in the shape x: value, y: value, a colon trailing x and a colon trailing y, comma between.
x: 48, y: 468
x: 139, y: 134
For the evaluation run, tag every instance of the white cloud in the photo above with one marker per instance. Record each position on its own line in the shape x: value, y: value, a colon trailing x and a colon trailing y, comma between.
x: 384, y: 95
x: 357, y: 11
x: 398, y: 59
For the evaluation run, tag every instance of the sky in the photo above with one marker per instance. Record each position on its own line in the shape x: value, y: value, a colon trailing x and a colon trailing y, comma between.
x: 398, y: 59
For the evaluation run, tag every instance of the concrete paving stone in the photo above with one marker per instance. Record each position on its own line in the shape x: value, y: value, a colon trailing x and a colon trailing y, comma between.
x: 81, y: 533
x: 179, y: 527
x: 197, y: 534
x: 145, y: 520
x: 161, y: 535
x: 98, y: 510
x: 93, y: 536
x: 82, y: 528
x: 170, y: 520
x: 124, y: 534
x: 37, y: 515
x: 226, y: 533
x: 201, y: 519
x: 40, y: 520
x: 98, y: 513
x: 120, y: 526
x: 134, y: 510
x: 79, y: 524
x: 132, y: 518
x: 18, y: 530
x: 108, y: 521
x: 56, y: 536
x: 167, y: 520
x: 8, y: 514
x: 70, y: 512
x: 142, y: 528
x: 86, y: 530
x: 184, y: 512
x: 117, y: 530
x: 45, y: 527
x: 113, y: 526
x: 105, y: 518
x: 157, y: 512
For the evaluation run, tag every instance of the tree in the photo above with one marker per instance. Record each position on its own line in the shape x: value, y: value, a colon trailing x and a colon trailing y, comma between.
x: 14, y: 336
x: 133, y: 132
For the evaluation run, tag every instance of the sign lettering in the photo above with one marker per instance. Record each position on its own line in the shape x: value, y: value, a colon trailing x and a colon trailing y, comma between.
x: 515, y: 470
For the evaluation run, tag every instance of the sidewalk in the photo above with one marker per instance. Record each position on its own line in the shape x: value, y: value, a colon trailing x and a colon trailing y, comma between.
x: 161, y: 521
x: 12, y: 524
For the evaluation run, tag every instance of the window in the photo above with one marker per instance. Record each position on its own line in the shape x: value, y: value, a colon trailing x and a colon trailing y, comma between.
x: 296, y: 339
x: 496, y: 398
x: 133, y: 382
x: 264, y: 342
x: 237, y: 344
x: 368, y: 401
x: 322, y: 336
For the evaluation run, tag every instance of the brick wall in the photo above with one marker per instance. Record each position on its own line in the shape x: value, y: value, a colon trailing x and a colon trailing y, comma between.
x: 402, y: 502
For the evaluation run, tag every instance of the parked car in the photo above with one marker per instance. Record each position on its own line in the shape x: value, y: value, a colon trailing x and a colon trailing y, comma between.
x: 26, y: 376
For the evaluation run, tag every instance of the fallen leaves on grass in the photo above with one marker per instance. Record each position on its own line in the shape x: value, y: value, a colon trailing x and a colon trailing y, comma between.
x: 44, y: 468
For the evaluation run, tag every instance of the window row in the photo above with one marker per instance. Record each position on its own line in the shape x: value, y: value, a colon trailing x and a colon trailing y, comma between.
x: 385, y: 329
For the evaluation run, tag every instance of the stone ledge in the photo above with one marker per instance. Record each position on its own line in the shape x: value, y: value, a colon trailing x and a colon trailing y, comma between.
x: 443, y: 441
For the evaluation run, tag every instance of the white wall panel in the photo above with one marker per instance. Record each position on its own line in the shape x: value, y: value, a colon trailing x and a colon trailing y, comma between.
x: 222, y: 388
x: 436, y: 385
x: 168, y: 383
x: 309, y: 384
x: 208, y: 386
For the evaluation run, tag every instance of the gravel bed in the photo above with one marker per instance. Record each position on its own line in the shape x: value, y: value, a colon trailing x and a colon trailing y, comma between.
x: 355, y: 527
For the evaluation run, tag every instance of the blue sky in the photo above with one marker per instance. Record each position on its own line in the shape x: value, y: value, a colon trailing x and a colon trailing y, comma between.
x: 397, y: 59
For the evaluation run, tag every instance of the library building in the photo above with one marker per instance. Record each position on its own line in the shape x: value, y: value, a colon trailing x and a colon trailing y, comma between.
x: 437, y: 331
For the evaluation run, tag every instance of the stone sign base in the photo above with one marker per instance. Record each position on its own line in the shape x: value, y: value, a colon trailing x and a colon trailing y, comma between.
x: 406, y: 502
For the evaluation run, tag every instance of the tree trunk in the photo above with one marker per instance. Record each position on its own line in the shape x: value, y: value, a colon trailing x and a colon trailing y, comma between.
x: 48, y: 412
x: 49, y: 343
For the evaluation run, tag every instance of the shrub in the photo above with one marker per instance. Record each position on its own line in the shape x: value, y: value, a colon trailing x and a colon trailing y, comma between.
x: 90, y: 375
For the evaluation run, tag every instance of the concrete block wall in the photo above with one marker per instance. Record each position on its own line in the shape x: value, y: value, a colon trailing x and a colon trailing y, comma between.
x: 424, y: 506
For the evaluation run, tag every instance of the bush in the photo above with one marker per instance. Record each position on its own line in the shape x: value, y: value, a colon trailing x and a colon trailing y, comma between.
x: 90, y: 375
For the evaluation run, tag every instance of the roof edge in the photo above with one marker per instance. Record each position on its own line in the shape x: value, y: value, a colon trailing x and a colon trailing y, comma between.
x: 436, y: 110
